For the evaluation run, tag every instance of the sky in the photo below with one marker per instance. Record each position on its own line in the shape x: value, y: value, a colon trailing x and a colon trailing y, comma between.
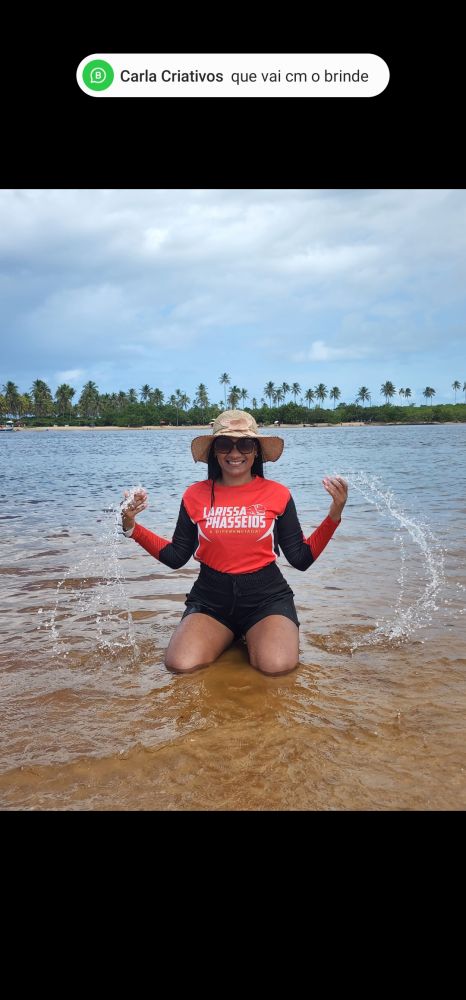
x: 172, y: 288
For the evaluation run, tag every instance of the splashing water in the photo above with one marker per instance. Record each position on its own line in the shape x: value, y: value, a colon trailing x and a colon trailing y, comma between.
x: 130, y: 496
x: 93, y: 590
x: 409, y: 614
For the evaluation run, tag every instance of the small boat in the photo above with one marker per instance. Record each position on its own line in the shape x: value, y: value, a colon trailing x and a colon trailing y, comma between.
x: 8, y: 426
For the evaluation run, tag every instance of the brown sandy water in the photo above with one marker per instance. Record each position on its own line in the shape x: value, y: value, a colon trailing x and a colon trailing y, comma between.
x: 373, y: 719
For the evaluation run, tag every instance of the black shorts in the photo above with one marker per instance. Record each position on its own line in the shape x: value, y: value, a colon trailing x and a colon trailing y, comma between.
x: 241, y: 600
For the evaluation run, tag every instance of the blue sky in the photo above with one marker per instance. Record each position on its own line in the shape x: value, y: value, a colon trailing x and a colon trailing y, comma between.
x: 175, y: 287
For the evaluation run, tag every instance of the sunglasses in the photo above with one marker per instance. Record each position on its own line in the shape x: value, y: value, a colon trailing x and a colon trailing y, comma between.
x: 223, y: 445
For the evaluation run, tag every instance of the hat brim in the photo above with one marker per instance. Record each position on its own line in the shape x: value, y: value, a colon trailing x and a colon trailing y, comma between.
x: 271, y: 447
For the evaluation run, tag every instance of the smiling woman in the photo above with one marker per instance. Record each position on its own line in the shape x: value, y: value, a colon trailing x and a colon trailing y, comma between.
x: 235, y: 523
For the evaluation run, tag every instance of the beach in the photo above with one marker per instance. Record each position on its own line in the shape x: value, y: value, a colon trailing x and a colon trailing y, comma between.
x: 180, y: 427
x: 267, y: 427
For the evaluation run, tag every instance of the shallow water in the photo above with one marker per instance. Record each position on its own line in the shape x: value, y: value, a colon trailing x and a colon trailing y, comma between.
x: 372, y: 719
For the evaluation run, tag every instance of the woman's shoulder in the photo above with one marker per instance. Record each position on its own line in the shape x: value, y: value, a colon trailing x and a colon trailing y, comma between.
x: 272, y: 486
x: 198, y: 489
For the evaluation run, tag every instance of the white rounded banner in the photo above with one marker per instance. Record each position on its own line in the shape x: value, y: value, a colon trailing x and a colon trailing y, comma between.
x: 229, y: 75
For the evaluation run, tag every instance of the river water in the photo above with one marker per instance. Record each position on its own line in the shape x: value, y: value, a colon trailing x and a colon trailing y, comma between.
x: 374, y: 717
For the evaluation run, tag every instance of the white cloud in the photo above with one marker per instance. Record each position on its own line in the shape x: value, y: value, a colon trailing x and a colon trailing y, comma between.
x: 320, y: 351
x: 71, y: 375
x: 320, y: 261
x: 153, y: 238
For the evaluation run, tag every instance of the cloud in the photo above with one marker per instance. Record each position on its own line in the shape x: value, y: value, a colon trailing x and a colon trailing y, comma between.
x: 320, y: 351
x: 71, y: 375
x: 252, y: 282
x: 326, y: 262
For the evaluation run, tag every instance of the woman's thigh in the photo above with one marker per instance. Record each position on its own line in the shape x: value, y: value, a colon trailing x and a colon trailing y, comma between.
x: 197, y: 641
x: 273, y: 645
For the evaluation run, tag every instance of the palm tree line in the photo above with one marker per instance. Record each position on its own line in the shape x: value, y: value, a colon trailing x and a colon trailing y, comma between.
x: 92, y: 404
x: 277, y: 394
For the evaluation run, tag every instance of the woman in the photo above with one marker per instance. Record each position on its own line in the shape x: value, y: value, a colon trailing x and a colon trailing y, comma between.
x: 234, y: 523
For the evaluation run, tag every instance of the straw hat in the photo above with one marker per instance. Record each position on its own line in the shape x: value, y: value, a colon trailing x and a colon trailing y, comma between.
x: 236, y: 423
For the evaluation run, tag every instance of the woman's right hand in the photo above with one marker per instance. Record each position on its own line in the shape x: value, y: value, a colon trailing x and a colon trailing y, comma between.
x: 132, y: 505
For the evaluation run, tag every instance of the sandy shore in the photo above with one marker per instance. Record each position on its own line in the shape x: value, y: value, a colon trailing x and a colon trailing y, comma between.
x: 185, y: 427
x: 265, y: 427
x: 151, y: 427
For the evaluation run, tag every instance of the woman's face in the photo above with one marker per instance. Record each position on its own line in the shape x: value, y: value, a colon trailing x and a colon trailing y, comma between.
x: 236, y: 466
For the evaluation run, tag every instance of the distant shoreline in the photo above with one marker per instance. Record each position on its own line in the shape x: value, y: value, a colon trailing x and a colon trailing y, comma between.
x: 266, y: 427
x: 185, y: 427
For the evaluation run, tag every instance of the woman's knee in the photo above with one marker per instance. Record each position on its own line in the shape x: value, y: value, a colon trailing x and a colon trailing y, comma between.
x: 274, y: 664
x: 273, y: 645
x: 181, y: 663
x: 197, y: 642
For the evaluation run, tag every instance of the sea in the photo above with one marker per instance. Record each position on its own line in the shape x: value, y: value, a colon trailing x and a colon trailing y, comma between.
x: 373, y: 719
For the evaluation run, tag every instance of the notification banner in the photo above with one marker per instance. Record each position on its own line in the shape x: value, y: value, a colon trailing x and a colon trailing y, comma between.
x: 229, y: 75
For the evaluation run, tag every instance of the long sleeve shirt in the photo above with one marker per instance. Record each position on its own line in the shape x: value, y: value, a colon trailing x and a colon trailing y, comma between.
x: 243, y: 532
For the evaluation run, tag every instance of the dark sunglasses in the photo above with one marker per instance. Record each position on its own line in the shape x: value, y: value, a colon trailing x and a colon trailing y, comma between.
x: 223, y: 445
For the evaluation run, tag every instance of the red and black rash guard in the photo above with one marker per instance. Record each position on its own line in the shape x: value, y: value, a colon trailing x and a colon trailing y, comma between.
x: 242, y: 533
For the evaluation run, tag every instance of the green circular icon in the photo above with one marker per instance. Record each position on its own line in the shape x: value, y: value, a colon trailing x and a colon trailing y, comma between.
x: 98, y: 74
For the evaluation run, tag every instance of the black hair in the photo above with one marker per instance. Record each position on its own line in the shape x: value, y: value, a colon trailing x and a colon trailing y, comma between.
x: 214, y: 471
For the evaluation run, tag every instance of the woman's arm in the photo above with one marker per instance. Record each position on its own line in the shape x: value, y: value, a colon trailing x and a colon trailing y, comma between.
x: 175, y: 553
x: 338, y: 489
x: 300, y: 551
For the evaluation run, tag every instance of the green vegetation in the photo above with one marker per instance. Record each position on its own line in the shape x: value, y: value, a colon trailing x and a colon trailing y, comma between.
x: 148, y: 406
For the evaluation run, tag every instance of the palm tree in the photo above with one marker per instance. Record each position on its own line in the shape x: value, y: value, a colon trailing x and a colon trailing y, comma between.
x: 334, y: 394
x: 12, y: 398
x: 388, y: 390
x: 89, y: 401
x: 285, y: 390
x: 63, y: 396
x: 408, y: 393
x: 234, y: 396
x: 464, y: 390
x: 25, y: 404
x: 254, y: 403
x: 309, y: 396
x: 428, y: 392
x: 269, y: 391
x: 42, y: 398
x: 225, y: 380
x: 201, y: 395
x: 295, y: 390
x: 156, y: 397
x: 363, y: 395
x: 321, y: 391
x: 401, y: 392
x: 145, y: 393
x: 132, y: 396
x: 176, y: 401
x: 456, y: 385
x: 244, y: 395
x: 201, y: 399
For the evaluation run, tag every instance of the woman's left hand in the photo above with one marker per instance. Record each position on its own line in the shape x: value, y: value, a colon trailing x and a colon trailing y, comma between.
x: 338, y: 489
